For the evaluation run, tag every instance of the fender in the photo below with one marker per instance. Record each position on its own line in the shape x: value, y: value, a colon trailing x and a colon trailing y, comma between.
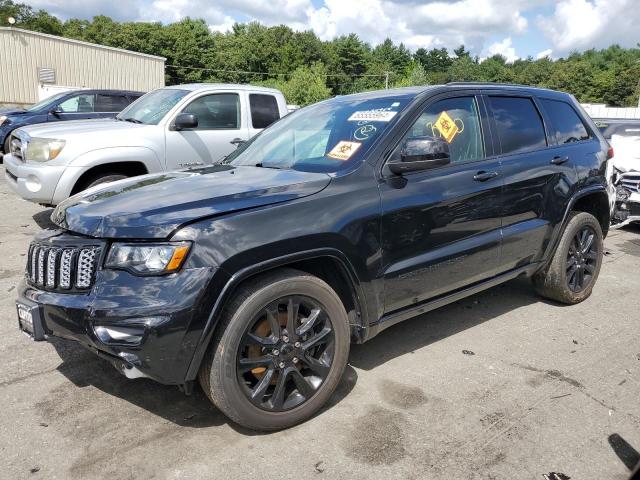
x: 103, y: 156
x: 557, y: 234
x: 243, y: 274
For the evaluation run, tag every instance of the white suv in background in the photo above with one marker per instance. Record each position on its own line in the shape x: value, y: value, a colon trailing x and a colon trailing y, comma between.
x: 168, y: 129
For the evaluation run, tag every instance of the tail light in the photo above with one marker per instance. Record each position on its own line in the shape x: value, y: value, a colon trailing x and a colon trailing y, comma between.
x: 610, y: 153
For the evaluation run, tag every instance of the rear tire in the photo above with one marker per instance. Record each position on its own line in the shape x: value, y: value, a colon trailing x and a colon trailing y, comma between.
x: 6, y: 147
x: 575, y: 266
x: 304, y: 359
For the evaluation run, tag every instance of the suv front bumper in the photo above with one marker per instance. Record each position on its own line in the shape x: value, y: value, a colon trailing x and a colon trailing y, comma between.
x: 163, y: 317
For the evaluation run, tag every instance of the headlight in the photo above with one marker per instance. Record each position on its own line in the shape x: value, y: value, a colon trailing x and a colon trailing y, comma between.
x: 43, y: 149
x: 147, y: 258
x: 3, y: 118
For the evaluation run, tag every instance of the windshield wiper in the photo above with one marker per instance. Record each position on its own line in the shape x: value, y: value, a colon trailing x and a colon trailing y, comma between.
x: 132, y: 120
x: 262, y: 165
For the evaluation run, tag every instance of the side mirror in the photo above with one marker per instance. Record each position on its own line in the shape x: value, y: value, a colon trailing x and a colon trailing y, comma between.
x: 56, y: 111
x: 186, y: 121
x: 421, y: 153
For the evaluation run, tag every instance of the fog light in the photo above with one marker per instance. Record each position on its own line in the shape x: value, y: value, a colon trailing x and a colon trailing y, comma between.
x: 120, y: 335
x: 33, y: 183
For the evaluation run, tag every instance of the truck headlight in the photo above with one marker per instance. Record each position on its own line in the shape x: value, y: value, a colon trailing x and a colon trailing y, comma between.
x: 3, y: 118
x: 43, y: 149
x: 147, y: 259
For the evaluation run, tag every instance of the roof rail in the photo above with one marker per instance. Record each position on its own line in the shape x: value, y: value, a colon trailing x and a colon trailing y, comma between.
x: 491, y: 83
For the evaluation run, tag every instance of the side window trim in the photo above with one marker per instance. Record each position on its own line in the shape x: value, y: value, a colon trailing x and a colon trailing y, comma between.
x: 409, y: 123
x: 494, y: 126
x: 208, y: 94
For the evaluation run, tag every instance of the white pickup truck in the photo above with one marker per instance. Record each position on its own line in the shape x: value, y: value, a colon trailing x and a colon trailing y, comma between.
x: 167, y: 129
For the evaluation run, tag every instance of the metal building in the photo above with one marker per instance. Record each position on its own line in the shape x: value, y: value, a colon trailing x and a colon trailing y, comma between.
x: 35, y: 65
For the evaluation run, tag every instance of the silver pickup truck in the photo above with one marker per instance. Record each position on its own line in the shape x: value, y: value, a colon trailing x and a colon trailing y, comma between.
x: 168, y: 129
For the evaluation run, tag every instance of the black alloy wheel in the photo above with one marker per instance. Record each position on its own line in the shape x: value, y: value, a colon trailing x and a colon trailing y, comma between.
x: 582, y: 259
x: 286, y: 353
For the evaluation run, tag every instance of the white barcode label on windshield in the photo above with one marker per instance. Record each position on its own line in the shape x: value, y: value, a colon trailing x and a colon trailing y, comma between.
x: 372, y: 116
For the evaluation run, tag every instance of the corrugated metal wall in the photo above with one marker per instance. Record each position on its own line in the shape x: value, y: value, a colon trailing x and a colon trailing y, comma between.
x: 76, y: 64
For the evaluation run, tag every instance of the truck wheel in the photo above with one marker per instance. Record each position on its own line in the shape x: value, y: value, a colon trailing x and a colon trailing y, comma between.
x: 575, y: 266
x: 108, y: 177
x: 6, y: 147
x: 279, y: 351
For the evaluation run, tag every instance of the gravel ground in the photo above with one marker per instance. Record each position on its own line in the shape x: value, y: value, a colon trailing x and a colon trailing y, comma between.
x: 500, y: 385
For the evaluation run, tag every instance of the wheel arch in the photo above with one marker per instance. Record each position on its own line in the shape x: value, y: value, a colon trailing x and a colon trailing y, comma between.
x: 330, y: 265
x: 128, y: 168
x: 594, y: 200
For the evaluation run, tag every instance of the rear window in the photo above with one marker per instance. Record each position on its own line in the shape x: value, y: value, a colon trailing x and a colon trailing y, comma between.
x: 264, y: 110
x: 519, y: 125
x: 566, y: 125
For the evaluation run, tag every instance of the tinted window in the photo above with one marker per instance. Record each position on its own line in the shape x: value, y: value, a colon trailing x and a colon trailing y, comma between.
x: 218, y: 111
x: 110, y: 103
x: 456, y: 120
x: 565, y: 122
x: 518, y: 123
x: 78, y: 104
x: 264, y: 110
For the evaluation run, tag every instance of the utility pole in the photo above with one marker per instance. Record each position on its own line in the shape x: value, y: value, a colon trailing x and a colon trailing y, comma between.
x: 386, y: 80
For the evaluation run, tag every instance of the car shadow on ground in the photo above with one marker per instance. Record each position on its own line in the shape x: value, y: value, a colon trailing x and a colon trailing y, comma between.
x: 421, y: 331
x: 83, y: 368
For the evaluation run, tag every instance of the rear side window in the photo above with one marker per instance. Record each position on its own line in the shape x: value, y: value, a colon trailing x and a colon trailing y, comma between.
x: 519, y: 125
x: 264, y: 110
x: 565, y: 122
x: 110, y: 103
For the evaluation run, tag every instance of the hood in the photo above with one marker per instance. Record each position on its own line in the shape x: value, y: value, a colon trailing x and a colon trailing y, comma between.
x: 153, y: 206
x: 626, y: 153
x: 64, y: 130
x: 12, y: 111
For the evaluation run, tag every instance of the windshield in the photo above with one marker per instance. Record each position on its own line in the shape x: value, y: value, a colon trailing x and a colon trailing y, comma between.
x: 325, y: 137
x: 47, y: 102
x: 153, y: 106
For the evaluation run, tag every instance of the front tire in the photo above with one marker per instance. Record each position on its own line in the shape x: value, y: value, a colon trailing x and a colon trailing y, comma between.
x: 279, y: 352
x: 575, y: 266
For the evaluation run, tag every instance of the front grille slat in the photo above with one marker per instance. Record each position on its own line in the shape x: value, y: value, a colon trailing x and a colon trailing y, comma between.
x: 62, y: 267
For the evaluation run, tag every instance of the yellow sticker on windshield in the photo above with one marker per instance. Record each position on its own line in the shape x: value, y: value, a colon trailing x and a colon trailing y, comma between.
x: 344, y: 150
x: 447, y: 127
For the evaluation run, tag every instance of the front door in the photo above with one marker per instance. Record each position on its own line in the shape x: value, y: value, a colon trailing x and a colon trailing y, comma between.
x: 77, y: 107
x: 220, y: 123
x: 441, y: 227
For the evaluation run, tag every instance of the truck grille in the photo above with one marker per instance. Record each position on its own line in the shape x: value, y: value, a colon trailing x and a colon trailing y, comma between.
x: 64, y: 268
x: 631, y: 181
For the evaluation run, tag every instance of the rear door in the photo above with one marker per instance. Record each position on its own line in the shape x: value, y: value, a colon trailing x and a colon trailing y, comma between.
x: 441, y: 227
x: 220, y: 126
x: 538, y: 176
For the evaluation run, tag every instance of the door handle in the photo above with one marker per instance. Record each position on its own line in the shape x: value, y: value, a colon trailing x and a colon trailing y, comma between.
x: 237, y: 141
x: 558, y: 160
x: 484, y: 176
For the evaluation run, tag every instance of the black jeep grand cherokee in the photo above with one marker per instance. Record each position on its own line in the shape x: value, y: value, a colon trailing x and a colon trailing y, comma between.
x: 346, y: 217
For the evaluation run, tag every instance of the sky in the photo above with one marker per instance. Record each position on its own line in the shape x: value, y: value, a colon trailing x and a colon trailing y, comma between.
x: 513, y: 28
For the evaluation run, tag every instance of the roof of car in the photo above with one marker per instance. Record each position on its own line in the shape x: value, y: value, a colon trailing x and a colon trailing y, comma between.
x: 222, y: 86
x: 106, y: 91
